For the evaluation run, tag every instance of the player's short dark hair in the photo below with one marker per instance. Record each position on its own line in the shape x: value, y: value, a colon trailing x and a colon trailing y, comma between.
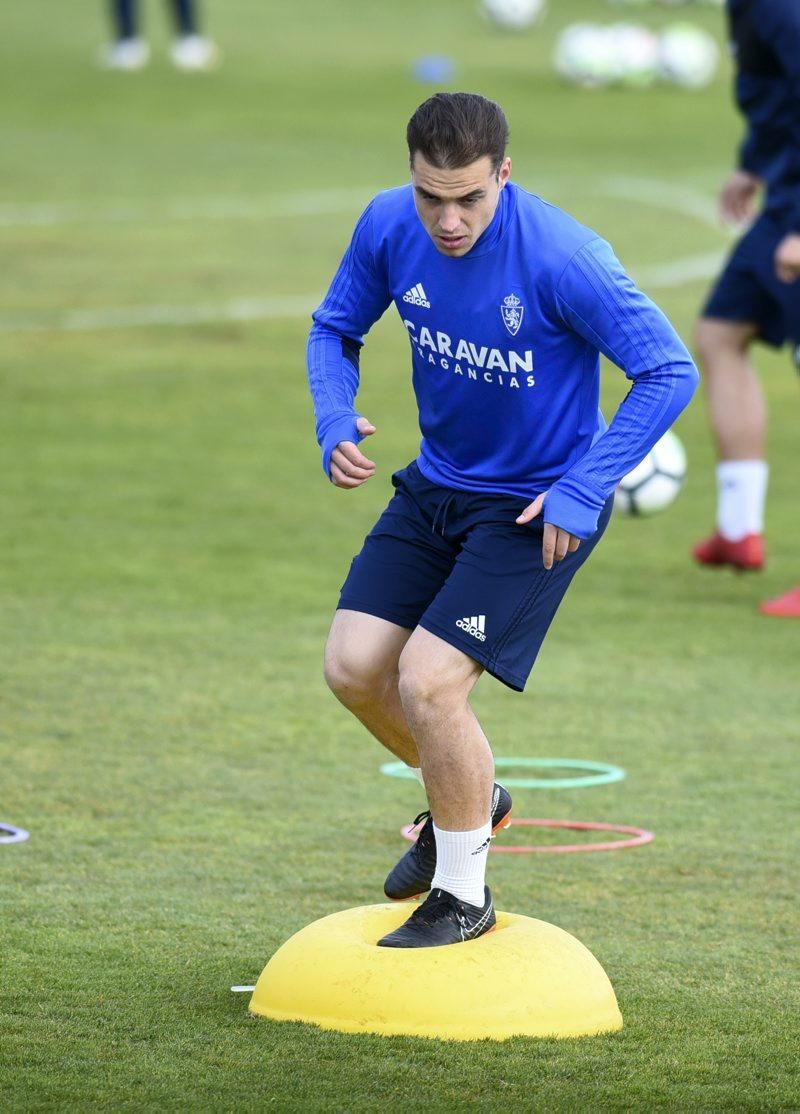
x: 455, y: 129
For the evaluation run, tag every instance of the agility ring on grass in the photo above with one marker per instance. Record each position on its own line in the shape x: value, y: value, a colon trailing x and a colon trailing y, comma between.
x: 639, y: 836
x: 598, y: 773
x: 10, y: 834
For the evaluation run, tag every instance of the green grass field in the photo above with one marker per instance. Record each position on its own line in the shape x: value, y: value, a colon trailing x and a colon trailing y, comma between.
x: 171, y: 557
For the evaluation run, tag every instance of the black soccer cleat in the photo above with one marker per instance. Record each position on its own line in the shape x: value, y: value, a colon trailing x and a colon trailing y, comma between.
x: 443, y: 919
x: 414, y: 872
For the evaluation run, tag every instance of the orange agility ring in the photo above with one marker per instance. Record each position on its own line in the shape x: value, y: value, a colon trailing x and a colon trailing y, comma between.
x: 639, y: 836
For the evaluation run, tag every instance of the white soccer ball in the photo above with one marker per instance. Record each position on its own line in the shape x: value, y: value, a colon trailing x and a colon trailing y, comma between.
x: 571, y: 48
x: 513, y: 14
x: 584, y: 55
x: 688, y: 55
x: 635, y: 53
x: 652, y: 485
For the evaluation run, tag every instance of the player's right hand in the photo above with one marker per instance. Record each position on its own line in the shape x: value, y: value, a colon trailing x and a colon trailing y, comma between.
x: 349, y: 467
x: 737, y: 197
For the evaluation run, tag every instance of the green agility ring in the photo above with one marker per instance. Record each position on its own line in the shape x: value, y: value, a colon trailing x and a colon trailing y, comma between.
x: 597, y: 773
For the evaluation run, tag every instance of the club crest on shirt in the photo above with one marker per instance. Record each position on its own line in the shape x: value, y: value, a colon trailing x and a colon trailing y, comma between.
x: 512, y: 310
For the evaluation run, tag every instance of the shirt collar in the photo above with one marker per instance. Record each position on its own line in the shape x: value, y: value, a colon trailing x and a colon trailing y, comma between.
x: 496, y: 229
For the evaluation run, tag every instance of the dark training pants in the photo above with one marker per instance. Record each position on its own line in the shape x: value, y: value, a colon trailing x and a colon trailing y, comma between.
x: 125, y: 16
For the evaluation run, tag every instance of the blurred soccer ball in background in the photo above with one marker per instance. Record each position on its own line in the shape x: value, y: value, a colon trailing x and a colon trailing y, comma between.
x: 513, y: 14
x: 652, y: 485
x: 584, y: 56
x: 688, y: 55
x: 635, y: 51
x: 591, y: 55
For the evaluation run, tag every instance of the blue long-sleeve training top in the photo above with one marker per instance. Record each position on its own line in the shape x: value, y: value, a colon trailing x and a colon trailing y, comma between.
x: 765, y: 39
x: 505, y: 344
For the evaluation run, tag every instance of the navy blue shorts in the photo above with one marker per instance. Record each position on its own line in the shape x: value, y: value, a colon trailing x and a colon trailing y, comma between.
x: 748, y: 290
x: 457, y: 564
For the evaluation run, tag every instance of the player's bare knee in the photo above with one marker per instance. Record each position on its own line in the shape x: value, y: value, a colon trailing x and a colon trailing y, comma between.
x: 703, y: 345
x: 342, y: 676
x: 711, y: 345
x: 424, y: 690
x: 417, y: 692
x: 717, y: 341
x: 350, y: 676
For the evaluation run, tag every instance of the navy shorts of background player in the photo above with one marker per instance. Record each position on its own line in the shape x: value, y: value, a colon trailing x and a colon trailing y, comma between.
x: 749, y: 290
x: 765, y: 40
x: 504, y: 344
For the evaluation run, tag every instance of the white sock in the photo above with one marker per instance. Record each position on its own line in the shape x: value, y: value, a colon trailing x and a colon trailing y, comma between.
x: 741, y: 495
x: 417, y: 772
x: 461, y: 862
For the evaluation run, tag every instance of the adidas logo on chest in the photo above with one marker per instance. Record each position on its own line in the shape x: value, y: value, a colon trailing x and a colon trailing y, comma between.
x: 416, y: 296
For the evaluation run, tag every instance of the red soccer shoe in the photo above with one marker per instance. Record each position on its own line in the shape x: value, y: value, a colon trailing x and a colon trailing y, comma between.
x: 746, y: 555
x: 786, y: 606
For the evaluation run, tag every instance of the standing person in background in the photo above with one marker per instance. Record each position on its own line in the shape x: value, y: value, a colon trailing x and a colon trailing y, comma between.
x: 757, y: 296
x: 506, y: 302
x: 190, y: 50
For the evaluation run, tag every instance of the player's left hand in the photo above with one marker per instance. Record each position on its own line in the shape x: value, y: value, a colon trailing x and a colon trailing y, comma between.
x: 349, y: 467
x: 787, y: 258
x: 556, y: 543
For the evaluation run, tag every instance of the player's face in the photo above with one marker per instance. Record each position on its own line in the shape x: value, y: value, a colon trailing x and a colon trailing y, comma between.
x: 457, y: 205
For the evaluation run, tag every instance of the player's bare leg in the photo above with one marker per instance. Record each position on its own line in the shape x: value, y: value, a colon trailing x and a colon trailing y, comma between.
x: 457, y: 765
x: 435, y: 683
x: 361, y: 668
x: 737, y: 407
x: 738, y: 417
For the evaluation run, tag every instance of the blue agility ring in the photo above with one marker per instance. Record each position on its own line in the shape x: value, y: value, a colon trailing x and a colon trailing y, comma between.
x: 598, y: 773
x: 10, y: 834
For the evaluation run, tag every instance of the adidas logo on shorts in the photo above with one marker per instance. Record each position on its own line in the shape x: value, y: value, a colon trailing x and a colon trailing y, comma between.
x: 474, y: 625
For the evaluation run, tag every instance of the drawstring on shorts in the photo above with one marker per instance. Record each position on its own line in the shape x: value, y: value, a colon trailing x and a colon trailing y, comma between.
x: 441, y: 513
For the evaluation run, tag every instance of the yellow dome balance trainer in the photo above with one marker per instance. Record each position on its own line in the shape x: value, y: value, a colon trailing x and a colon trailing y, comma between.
x: 525, y: 978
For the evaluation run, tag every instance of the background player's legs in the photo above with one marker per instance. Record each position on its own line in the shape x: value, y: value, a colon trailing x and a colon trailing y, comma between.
x: 361, y: 668
x: 738, y: 417
x: 124, y: 14
x: 190, y: 50
x: 185, y: 17
x: 736, y: 404
x: 127, y: 51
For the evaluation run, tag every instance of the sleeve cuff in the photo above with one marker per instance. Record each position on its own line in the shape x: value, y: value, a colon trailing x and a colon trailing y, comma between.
x: 572, y: 508
x: 340, y: 428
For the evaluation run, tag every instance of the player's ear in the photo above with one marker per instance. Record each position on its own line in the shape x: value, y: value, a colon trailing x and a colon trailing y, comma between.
x: 504, y: 172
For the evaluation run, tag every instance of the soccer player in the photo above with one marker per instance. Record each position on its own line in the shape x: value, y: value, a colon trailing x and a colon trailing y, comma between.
x: 190, y: 50
x: 757, y: 296
x: 506, y: 302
